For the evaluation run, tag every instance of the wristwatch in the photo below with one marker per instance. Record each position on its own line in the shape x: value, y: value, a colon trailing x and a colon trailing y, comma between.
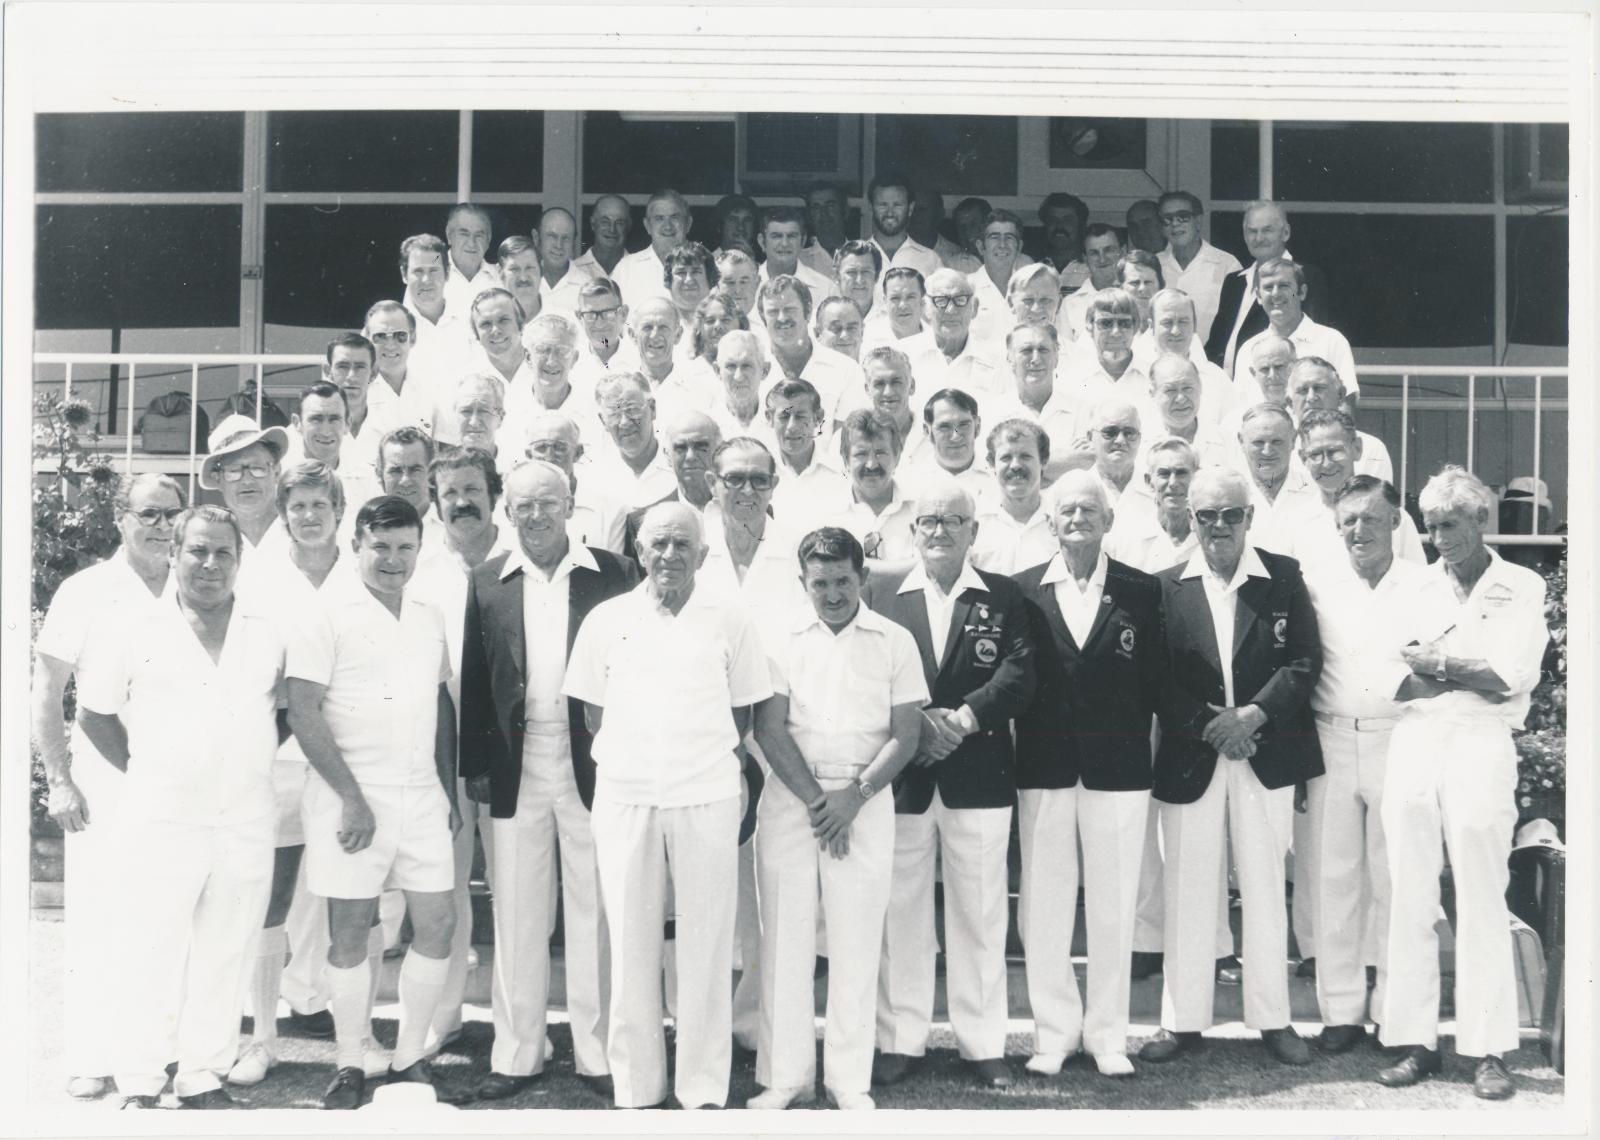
x: 867, y: 790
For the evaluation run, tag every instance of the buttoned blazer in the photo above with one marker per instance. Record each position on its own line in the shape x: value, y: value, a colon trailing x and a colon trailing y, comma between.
x: 494, y: 656
x: 986, y: 663
x: 1092, y: 709
x: 1316, y: 305
x: 1277, y: 658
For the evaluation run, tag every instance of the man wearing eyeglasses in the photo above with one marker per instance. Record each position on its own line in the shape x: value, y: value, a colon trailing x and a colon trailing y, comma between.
x: 1330, y: 452
x: 551, y: 342
x: 85, y: 788
x: 951, y: 424
x: 399, y: 393
x: 1314, y: 384
x: 597, y: 520
x: 242, y: 463
x: 957, y: 358
x: 955, y: 797
x: 525, y: 752
x: 1237, y: 735
x: 631, y: 468
x: 1112, y: 433
x: 610, y: 221
x: 1111, y: 321
x: 1190, y: 262
x: 643, y: 275
x: 604, y: 320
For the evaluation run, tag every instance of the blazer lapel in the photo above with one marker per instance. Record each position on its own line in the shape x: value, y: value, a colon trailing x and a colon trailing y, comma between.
x: 1246, y: 602
x: 1198, y: 614
x: 960, y: 616
x: 1101, y: 613
x: 1053, y: 614
x: 506, y: 611
x: 582, y: 585
x: 912, y: 613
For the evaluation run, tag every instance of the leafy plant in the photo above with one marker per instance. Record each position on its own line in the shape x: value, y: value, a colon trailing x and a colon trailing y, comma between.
x: 1542, y: 746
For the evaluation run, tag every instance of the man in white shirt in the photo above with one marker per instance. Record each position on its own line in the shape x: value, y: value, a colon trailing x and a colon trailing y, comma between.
x: 785, y: 307
x: 1177, y: 407
x: 654, y: 328
x: 957, y: 358
x: 443, y: 334
x: 85, y: 789
x: 610, y: 221
x: 669, y: 673
x: 856, y: 269
x: 1172, y: 329
x: 520, y: 273
x: 880, y: 510
x: 1330, y: 452
x: 1268, y: 383
x: 403, y: 458
x: 1143, y: 225
x: 497, y: 325
x: 399, y: 393
x: 891, y: 200
x: 811, y: 488
x: 951, y: 423
x: 742, y: 371
x: 1112, y: 431
x: 1065, y: 218
x: 183, y: 699
x: 782, y: 236
x: 1314, y: 384
x: 1189, y: 262
x: 1103, y: 251
x: 891, y: 391
x: 1278, y: 493
x: 369, y: 703
x: 643, y: 275
x: 825, y: 210
x: 838, y: 325
x: 1001, y: 243
x: 843, y: 721
x: 323, y: 433
x: 558, y: 245
x: 750, y: 548
x: 897, y: 317
x: 1014, y: 527
x: 350, y: 363
x: 1106, y: 365
x: 632, y: 469
x: 1239, y: 313
x: 1033, y: 352
x: 1281, y: 289
x: 690, y: 441
x: 605, y: 320
x: 1452, y: 777
x: 1034, y: 297
x: 551, y: 343
x: 468, y: 233
x: 597, y: 519
x: 966, y: 252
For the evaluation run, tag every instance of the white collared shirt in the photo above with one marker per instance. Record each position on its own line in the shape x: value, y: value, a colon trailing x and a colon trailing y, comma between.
x: 1362, y: 629
x: 443, y: 579
x: 770, y: 585
x: 844, y: 687
x: 609, y: 475
x: 979, y: 369
x: 563, y: 295
x: 876, y: 330
x: 668, y: 685
x: 1006, y: 546
x: 293, y: 600
x: 1314, y: 540
x: 545, y: 606
x: 1143, y: 544
x: 807, y: 499
x: 201, y: 733
x: 1080, y: 605
x: 382, y: 677
x: 830, y: 372
x: 256, y: 562
x: 1222, y: 596
x: 1219, y: 395
x: 977, y: 480
x: 912, y: 253
x: 388, y: 409
x: 994, y: 317
x: 1311, y: 339
x: 445, y: 340
x: 941, y: 606
x: 820, y: 285
x: 1058, y: 417
x: 642, y: 277
x: 1273, y: 524
x: 586, y: 262
x: 460, y: 290
x: 885, y: 535
x: 1202, y: 279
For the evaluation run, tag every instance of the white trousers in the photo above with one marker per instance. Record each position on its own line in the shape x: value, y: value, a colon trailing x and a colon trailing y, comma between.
x: 747, y: 942
x: 794, y: 876
x: 1351, y: 891
x: 1304, y: 876
x: 550, y: 820
x: 1111, y: 826
x: 1258, y: 827
x: 634, y: 847
x: 89, y: 876
x: 190, y: 902
x: 1458, y: 780
x: 1150, y: 906
x: 971, y: 845
x: 475, y: 819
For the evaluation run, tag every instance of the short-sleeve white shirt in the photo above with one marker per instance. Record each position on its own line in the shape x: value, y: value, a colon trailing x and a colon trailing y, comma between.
x: 1362, y: 629
x: 1311, y: 339
x: 1005, y: 546
x: 1202, y: 278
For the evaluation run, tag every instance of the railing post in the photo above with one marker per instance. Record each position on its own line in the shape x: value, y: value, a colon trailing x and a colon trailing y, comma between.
x: 133, y: 384
x: 261, y: 391
x: 66, y: 386
x: 1405, y: 432
x: 1472, y: 421
x: 1538, y: 408
x: 194, y: 420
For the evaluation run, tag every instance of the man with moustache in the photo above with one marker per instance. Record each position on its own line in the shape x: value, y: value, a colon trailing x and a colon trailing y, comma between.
x: 890, y: 198
x: 782, y: 237
x: 1281, y: 292
x: 518, y: 258
x: 85, y: 789
x: 668, y: 673
x: 955, y: 800
x: 642, y: 276
x: 1239, y: 312
x: 468, y: 232
x: 560, y: 276
x: 1189, y: 262
x: 597, y: 520
x: 811, y: 488
x: 880, y: 511
x: 838, y: 326
x: 183, y: 699
x: 525, y: 753
x: 634, y: 470
x: 691, y: 439
x: 956, y: 358
x: 785, y: 306
x: 1083, y: 773
x: 610, y: 221
x: 1236, y: 736
x: 1013, y: 527
x: 398, y: 394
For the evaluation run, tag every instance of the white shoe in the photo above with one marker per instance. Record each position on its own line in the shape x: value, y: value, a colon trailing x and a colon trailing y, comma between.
x: 774, y: 1099
x: 1114, y: 1065
x: 253, y: 1067
x: 852, y: 1102
x: 374, y: 1061
x: 1046, y: 1064
x: 86, y: 1088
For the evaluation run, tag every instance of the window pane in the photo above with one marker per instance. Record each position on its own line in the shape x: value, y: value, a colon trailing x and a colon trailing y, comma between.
x: 1097, y: 144
x: 627, y: 156
x: 1383, y: 162
x: 1396, y: 282
x: 507, y: 151
x: 1235, y: 162
x: 1536, y: 287
x: 141, y: 152
x: 951, y: 154
x: 781, y: 143
x: 355, y: 151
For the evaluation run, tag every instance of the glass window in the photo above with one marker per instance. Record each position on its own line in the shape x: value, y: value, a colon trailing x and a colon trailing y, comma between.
x: 1235, y: 162
x: 1383, y: 162
x: 1097, y: 144
x: 781, y: 143
x: 362, y: 151
x: 626, y: 155
x: 952, y: 154
x: 140, y: 152
x: 507, y: 151
x: 1536, y: 284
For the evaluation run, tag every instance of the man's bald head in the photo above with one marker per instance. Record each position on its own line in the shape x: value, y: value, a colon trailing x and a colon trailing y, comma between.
x: 664, y: 516
x: 688, y: 423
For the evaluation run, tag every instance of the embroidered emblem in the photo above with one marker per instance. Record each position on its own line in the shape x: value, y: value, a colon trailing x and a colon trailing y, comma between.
x: 986, y: 651
x: 1280, y: 630
x: 983, y: 612
x: 1127, y: 640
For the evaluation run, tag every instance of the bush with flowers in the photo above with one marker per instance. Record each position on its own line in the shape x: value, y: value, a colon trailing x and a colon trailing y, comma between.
x: 1542, y: 746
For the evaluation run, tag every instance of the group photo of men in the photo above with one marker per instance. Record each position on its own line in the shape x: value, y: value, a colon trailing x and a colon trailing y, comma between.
x: 761, y: 610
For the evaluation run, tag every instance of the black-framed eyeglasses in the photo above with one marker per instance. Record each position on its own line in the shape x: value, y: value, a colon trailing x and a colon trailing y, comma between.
x: 739, y: 480
x: 1177, y: 217
x: 152, y: 515
x: 1229, y: 516
x: 949, y: 300
x: 927, y: 524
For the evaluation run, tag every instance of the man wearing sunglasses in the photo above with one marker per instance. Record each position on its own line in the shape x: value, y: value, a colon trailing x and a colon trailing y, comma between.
x: 1237, y: 734
x: 1189, y: 262
x: 401, y: 392
x: 1106, y: 364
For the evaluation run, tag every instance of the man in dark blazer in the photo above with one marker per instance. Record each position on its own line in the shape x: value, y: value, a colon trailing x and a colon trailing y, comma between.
x: 1083, y: 771
x: 971, y: 630
x: 525, y: 750
x: 1237, y: 735
x: 1266, y: 235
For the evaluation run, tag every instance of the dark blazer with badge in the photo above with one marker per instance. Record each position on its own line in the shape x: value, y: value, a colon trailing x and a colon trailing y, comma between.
x: 1277, y: 658
x: 494, y: 674
x: 1091, y: 711
x: 986, y: 663
x: 1316, y: 305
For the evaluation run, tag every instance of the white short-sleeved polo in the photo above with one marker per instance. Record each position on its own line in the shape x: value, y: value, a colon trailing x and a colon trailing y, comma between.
x: 382, y: 676
x: 201, y: 734
x: 842, y: 687
x: 668, y: 685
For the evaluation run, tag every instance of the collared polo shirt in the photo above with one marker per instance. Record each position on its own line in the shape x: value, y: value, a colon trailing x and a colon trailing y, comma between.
x: 293, y: 601
x: 770, y: 586
x: 820, y: 284
x: 460, y: 290
x: 807, y: 499
x: 1314, y: 540
x: 256, y: 561
x: 1006, y: 546
x: 911, y: 253
x: 979, y: 370
x: 609, y: 474
x: 388, y: 409
x: 1202, y: 278
x: 641, y: 276
x: 668, y: 684
x: 1362, y: 629
x: 1144, y: 545
x: 1079, y: 604
x: 563, y: 295
x: 833, y: 374
x: 545, y: 610
x: 1222, y: 597
x: 885, y: 535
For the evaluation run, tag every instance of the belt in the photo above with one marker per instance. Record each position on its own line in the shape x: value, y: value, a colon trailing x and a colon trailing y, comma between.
x: 544, y: 727
x: 1359, y: 723
x: 837, y: 771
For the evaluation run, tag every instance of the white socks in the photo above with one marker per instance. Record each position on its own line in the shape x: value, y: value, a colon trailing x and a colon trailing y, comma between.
x: 421, y: 984
x: 348, y: 998
x: 265, y: 982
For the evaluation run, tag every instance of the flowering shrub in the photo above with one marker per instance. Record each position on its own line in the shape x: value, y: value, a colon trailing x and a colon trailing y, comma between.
x: 1542, y: 747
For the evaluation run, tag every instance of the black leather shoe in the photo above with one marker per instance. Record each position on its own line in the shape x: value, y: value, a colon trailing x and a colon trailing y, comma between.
x: 1146, y: 964
x: 319, y: 1024
x: 141, y: 1101
x: 421, y: 1073
x: 992, y: 1073
x: 892, y: 1068
x: 498, y: 1086
x: 1168, y: 1045
x: 1286, y: 1046
x: 1229, y: 972
x: 348, y: 1089
x: 1340, y: 1038
x: 1491, y: 1081
x: 211, y: 1098
x: 600, y: 1084
x: 1306, y: 969
x: 1419, y: 1062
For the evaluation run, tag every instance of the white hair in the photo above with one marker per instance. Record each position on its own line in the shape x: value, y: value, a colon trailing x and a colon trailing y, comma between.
x: 1218, y: 477
x: 663, y: 514
x: 1457, y: 489
x: 1078, y: 479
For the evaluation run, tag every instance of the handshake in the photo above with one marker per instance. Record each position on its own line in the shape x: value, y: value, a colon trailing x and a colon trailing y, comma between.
x: 943, y: 730
x: 1232, y: 732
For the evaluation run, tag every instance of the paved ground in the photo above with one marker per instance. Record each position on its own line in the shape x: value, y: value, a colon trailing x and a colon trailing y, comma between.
x: 1232, y: 1073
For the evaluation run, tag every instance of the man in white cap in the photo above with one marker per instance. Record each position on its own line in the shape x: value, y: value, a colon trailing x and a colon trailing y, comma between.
x: 242, y: 462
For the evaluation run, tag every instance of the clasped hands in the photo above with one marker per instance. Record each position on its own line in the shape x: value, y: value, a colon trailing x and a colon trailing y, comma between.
x: 1232, y: 731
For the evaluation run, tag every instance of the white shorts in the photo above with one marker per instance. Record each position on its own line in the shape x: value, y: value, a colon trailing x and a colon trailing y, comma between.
x: 411, y: 849
x: 289, y: 782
